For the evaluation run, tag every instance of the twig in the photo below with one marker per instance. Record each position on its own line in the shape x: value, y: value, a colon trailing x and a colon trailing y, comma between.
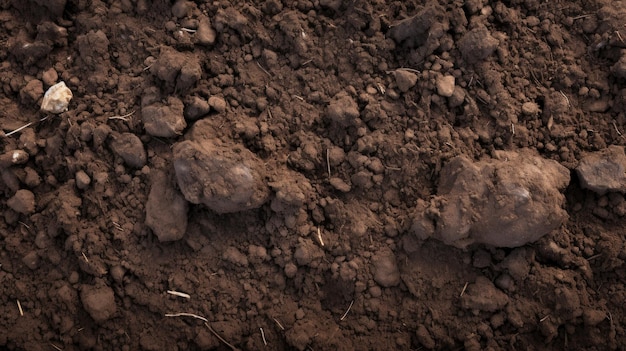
x: 328, y: 161
x: 278, y: 323
x: 348, y: 310
x: 263, y: 336
x: 544, y: 318
x: 263, y: 69
x: 124, y: 117
x: 186, y: 315
x: 219, y: 337
x: 85, y: 257
x: 464, y: 288
x: 179, y: 294
x: 566, y: 98
x: 617, y: 130
x: 56, y: 347
x: 299, y: 97
x: 19, y: 307
x: 188, y: 30
x: 25, y: 126
x: 319, y: 236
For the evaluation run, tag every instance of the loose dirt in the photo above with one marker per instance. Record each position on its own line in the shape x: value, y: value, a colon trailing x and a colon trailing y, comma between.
x: 313, y: 175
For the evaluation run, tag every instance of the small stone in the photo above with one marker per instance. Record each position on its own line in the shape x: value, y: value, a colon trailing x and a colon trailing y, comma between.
x: 445, y: 86
x: 56, y: 99
x: 339, y: 184
x: 99, y: 302
x: 205, y: 34
x: 217, y: 103
x: 530, y: 108
x: 22, y: 202
x: 82, y: 180
x: 405, y: 80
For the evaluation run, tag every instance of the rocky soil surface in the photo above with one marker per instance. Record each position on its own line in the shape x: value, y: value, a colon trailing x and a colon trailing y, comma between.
x: 313, y: 175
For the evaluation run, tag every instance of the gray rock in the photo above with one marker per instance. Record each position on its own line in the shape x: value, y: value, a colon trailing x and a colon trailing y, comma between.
x: 604, y: 170
x: 82, y: 180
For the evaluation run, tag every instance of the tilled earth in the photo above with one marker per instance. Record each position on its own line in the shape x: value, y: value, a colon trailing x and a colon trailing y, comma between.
x: 313, y: 175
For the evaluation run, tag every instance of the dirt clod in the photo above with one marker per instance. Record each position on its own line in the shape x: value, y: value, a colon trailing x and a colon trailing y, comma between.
x: 604, y: 170
x: 329, y: 174
x: 225, y: 178
x: 22, y: 202
x: 166, y: 209
x: 130, y: 148
x: 99, y: 302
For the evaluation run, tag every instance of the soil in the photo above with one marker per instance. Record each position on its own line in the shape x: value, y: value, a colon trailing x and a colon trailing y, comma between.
x: 313, y: 175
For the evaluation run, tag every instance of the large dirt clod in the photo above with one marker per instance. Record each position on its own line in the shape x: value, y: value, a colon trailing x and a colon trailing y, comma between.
x: 226, y: 178
x: 509, y: 201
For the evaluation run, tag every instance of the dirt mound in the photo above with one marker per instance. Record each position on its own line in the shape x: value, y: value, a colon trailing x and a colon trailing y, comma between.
x: 284, y: 174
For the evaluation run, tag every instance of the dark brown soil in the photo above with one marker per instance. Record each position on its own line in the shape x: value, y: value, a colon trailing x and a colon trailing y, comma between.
x: 313, y: 175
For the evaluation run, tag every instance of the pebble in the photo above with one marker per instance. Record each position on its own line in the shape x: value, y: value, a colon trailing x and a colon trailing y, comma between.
x: 530, y: 108
x: 217, y: 103
x: 339, y: 184
x: 445, y: 86
x: 205, y: 34
x: 82, y: 180
x: 405, y: 80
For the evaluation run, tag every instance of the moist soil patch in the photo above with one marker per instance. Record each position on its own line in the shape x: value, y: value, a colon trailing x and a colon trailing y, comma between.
x: 280, y: 174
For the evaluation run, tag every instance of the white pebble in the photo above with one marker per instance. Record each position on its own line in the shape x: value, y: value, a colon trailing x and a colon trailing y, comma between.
x: 56, y: 99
